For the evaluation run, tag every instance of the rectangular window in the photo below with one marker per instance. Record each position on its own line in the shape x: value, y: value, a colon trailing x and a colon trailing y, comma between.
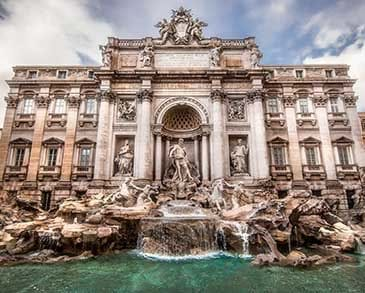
x: 62, y: 74
x: 19, y: 157
x: 303, y: 105
x: 334, y: 105
x: 278, y: 155
x: 272, y: 105
x: 32, y: 74
x: 28, y: 106
x: 310, y: 153
x: 52, y: 157
x: 299, y: 74
x: 329, y: 73
x: 90, y: 74
x: 85, y: 154
x: 59, y: 106
x: 90, y: 105
x: 343, y: 155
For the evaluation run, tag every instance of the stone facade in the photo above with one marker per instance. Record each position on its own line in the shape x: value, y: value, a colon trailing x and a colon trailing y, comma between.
x: 75, y: 129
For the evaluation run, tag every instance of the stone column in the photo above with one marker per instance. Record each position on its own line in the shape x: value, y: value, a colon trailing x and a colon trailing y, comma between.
x: 42, y: 102
x: 258, y: 135
x: 167, y: 147
x: 354, y: 121
x: 321, y: 102
x: 73, y: 102
x: 102, y: 139
x: 294, y: 148
x: 12, y: 101
x: 217, y: 97
x: 143, y: 166
x: 205, y: 157
x: 196, y: 151
x: 158, y: 157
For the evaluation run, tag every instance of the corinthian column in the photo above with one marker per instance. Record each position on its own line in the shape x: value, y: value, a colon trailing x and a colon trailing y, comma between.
x: 102, y: 140
x: 143, y: 159
x: 42, y: 102
x: 73, y: 102
x: 320, y: 101
x: 258, y: 149
x: 217, y: 97
x: 12, y: 101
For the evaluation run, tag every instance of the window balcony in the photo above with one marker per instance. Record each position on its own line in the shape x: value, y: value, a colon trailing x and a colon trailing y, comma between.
x: 51, y: 172
x: 82, y: 172
x: 281, y: 172
x: 306, y: 119
x: 347, y: 172
x: 24, y: 119
x: 55, y: 119
x: 15, y: 173
x: 314, y: 172
x: 86, y: 119
x: 275, y: 120
x: 338, y: 120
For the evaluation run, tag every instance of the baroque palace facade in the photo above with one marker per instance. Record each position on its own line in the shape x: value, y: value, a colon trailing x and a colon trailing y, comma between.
x: 71, y: 130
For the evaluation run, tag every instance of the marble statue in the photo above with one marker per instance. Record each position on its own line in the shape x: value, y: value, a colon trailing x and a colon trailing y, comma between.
x: 165, y: 29
x: 239, y: 158
x: 144, y: 197
x: 106, y: 53
x: 126, y: 111
x: 215, y: 55
x: 217, y: 197
x: 255, y: 57
x: 124, y: 192
x: 124, y: 159
x: 146, y: 56
x: 178, y: 155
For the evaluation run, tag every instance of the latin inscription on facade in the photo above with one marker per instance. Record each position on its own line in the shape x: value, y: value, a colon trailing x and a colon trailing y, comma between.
x: 176, y: 60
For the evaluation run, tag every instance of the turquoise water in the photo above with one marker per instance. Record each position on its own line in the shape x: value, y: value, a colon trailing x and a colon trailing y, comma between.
x: 129, y: 272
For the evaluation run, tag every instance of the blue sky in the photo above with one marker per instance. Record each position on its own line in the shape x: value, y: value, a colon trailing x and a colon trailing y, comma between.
x: 287, y: 31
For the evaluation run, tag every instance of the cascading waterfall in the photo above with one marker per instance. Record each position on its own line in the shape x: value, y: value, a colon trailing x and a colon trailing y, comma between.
x: 360, y: 246
x: 241, y: 231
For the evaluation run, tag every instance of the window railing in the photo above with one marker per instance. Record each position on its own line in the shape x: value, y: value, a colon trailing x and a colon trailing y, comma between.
x: 79, y: 171
x: 15, y: 172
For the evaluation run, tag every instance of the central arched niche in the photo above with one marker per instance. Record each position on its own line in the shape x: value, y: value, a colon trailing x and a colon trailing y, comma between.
x: 181, y: 118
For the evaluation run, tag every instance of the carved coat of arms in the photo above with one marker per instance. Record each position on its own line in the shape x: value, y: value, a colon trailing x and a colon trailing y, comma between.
x: 182, y: 28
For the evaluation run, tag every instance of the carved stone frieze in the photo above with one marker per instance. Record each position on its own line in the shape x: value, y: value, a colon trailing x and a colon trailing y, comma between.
x: 320, y: 101
x: 126, y: 110
x: 236, y: 110
x: 350, y: 100
x: 42, y: 100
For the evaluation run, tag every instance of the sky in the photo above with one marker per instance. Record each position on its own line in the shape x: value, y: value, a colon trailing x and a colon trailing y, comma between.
x: 69, y: 32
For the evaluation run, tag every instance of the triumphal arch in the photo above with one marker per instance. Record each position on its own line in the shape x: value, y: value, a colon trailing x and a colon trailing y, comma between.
x: 180, y: 107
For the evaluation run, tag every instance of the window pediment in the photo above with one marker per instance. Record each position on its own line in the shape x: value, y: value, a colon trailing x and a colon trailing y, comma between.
x: 310, y: 141
x: 343, y: 140
x: 85, y: 141
x: 53, y: 141
x: 21, y: 141
x: 278, y: 140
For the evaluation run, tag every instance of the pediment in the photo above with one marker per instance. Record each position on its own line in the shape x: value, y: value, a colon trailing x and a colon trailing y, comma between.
x: 53, y: 140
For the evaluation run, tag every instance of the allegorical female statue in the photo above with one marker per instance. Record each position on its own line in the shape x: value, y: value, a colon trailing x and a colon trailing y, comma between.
x: 239, y: 158
x: 124, y: 160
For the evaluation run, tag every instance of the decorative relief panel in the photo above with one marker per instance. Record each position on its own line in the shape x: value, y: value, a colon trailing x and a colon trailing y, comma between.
x: 236, y: 109
x: 127, y: 110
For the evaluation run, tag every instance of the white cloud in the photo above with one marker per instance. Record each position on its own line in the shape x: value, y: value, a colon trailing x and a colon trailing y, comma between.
x: 47, y: 32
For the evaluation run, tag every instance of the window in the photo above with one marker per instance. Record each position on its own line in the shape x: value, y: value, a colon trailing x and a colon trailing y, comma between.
x: 19, y: 157
x: 52, y: 157
x: 310, y: 154
x: 90, y: 107
x: 272, y: 105
x: 344, y: 155
x: 278, y: 154
x: 334, y: 105
x: 59, y: 107
x: 32, y: 74
x: 299, y: 74
x: 90, y: 74
x: 303, y: 105
x: 28, y: 106
x: 85, y: 154
x: 62, y: 74
x: 329, y: 73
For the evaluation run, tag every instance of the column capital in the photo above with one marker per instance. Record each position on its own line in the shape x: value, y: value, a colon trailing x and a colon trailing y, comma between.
x: 320, y: 101
x: 289, y: 101
x: 107, y: 95
x: 256, y: 95
x: 42, y: 100
x: 217, y: 95
x: 350, y: 100
x: 12, y: 101
x: 145, y: 95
